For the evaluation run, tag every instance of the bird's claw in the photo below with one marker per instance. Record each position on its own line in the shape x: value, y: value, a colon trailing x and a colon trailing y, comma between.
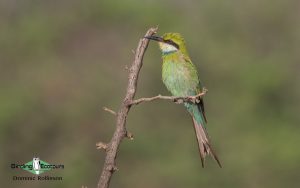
x: 178, y: 101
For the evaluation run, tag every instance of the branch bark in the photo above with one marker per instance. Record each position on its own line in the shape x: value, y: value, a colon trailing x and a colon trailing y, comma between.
x: 120, y: 133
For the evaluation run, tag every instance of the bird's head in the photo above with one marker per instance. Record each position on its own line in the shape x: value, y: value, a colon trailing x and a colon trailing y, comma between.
x: 170, y: 42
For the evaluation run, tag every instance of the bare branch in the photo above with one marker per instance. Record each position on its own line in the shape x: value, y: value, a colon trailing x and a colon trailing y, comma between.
x: 109, y: 110
x: 178, y: 100
x: 120, y: 133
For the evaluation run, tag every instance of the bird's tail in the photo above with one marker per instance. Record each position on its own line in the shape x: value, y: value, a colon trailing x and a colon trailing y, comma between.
x: 203, y: 143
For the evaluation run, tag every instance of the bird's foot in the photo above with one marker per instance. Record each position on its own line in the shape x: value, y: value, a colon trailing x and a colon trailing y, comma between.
x: 178, y: 101
x: 193, y: 99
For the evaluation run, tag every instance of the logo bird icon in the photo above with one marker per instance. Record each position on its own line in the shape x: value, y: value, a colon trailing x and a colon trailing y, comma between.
x: 36, y: 165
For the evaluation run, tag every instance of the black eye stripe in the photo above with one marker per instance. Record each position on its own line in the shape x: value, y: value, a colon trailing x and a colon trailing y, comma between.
x: 172, y: 43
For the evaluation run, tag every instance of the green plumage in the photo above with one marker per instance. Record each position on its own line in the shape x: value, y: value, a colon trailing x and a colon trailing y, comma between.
x: 181, y: 78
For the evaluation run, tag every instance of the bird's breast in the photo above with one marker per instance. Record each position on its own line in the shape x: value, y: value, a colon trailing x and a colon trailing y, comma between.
x: 177, y: 78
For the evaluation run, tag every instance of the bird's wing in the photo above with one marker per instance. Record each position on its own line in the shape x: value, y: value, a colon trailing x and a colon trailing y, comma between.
x: 199, y: 88
x: 201, y: 101
x: 201, y: 108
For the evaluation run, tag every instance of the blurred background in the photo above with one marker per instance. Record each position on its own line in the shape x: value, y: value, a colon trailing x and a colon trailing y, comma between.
x: 62, y: 61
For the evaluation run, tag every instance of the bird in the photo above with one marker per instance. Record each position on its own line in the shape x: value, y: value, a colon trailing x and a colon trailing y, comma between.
x: 36, y: 165
x: 180, y: 77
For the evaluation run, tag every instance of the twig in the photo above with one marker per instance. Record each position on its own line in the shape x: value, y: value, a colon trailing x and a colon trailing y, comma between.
x: 193, y: 99
x: 109, y: 110
x: 101, y: 145
x: 120, y: 133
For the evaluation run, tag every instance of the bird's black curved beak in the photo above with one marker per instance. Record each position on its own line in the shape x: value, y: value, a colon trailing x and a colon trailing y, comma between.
x: 156, y: 38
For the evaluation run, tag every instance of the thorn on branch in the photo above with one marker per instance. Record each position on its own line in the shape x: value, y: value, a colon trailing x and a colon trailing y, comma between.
x: 133, y: 51
x: 112, y: 168
x: 115, y: 168
x: 129, y: 135
x: 126, y: 67
x: 109, y: 110
x: 101, y: 145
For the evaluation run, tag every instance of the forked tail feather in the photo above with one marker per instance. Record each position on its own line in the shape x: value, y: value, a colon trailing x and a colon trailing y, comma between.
x: 203, y: 143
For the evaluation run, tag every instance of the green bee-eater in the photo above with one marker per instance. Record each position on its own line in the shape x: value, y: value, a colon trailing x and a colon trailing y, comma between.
x: 181, y: 78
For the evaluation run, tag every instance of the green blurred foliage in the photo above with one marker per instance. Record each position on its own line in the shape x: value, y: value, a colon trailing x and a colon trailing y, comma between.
x: 62, y: 61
